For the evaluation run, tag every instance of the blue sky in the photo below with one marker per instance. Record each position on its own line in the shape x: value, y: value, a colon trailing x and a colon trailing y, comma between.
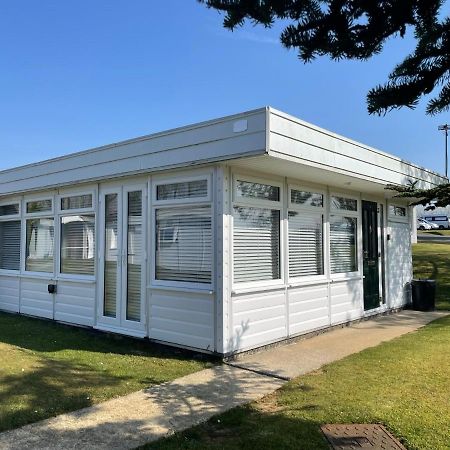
x: 78, y: 74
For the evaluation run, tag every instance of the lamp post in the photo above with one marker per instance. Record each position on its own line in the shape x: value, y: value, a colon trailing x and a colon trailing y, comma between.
x: 445, y: 128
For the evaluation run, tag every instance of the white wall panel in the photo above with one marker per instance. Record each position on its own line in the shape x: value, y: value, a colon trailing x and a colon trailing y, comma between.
x: 258, y: 318
x: 35, y: 299
x: 346, y: 300
x: 308, y: 308
x: 399, y: 264
x: 75, y: 302
x: 182, y: 318
x: 9, y: 293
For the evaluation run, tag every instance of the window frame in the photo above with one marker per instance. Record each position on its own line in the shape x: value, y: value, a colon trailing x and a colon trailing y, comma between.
x: 396, y: 218
x: 14, y: 218
x: 358, y: 238
x: 182, y: 179
x: 180, y: 203
x: 44, y: 214
x: 315, y: 210
x: 252, y: 202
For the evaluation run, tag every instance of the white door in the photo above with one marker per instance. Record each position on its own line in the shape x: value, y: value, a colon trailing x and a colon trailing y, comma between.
x: 399, y: 265
x: 121, y: 293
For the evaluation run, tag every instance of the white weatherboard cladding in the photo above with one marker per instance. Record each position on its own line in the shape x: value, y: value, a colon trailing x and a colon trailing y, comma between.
x: 258, y: 318
x: 182, y: 318
x: 346, y: 300
x: 75, y: 302
x: 35, y: 299
x: 308, y: 308
x: 9, y: 293
x: 399, y: 267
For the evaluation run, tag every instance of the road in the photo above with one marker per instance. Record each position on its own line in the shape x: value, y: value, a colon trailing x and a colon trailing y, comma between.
x: 422, y: 237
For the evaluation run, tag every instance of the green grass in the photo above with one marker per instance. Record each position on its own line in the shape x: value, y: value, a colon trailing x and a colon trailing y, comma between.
x: 403, y: 384
x: 48, y: 368
x: 432, y: 260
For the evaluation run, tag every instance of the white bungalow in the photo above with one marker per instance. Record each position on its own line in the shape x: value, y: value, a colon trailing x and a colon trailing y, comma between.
x: 221, y: 236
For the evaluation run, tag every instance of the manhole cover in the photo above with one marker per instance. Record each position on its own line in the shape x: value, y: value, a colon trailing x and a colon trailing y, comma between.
x: 357, y: 436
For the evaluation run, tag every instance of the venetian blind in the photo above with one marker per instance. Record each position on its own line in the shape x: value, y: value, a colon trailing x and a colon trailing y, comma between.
x: 343, y: 244
x: 134, y: 255
x: 78, y: 244
x: 305, y: 244
x: 256, y: 237
x: 10, y: 245
x: 111, y: 256
x: 184, y: 241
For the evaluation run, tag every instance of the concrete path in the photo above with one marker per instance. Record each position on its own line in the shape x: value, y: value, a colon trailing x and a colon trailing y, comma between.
x: 147, y: 415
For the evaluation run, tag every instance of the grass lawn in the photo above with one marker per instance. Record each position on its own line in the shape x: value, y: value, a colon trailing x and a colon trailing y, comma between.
x: 432, y: 260
x: 48, y: 368
x: 403, y: 384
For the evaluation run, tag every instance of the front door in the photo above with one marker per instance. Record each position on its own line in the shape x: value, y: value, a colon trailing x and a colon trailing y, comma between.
x: 122, y: 257
x: 370, y: 255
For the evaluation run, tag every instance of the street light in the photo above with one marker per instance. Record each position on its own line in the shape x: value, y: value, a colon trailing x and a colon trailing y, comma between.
x: 445, y: 128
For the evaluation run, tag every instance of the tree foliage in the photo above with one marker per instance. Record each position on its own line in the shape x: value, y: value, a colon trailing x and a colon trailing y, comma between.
x: 359, y: 29
x: 437, y: 196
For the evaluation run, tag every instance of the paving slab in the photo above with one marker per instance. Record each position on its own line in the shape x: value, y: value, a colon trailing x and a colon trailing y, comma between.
x: 147, y: 415
x: 292, y: 360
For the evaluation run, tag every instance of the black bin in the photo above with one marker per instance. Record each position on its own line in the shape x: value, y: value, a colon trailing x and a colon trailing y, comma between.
x: 423, y: 295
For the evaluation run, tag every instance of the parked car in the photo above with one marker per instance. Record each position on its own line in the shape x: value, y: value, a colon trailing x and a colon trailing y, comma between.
x: 422, y: 224
x: 440, y: 221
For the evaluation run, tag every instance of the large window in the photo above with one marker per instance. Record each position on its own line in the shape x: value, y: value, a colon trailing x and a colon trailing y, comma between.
x: 183, y: 244
x: 256, y: 230
x: 343, y: 234
x: 77, y: 243
x: 40, y: 237
x: 305, y: 221
x: 183, y: 233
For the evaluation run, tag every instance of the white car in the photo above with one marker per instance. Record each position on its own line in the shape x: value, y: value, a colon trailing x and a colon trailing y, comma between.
x: 422, y: 224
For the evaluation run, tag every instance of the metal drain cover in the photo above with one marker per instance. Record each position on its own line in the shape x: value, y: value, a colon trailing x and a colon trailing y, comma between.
x: 358, y: 436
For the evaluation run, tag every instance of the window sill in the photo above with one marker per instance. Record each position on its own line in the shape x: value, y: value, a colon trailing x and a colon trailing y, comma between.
x: 195, y: 290
x: 261, y: 288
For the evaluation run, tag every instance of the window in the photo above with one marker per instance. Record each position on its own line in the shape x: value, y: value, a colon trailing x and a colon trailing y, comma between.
x: 76, y: 202
x: 306, y: 198
x: 305, y: 244
x: 397, y: 211
x: 183, y: 244
x: 38, y: 206
x: 257, y: 191
x: 343, y: 255
x: 256, y: 237
x: 40, y: 234
x: 10, y: 245
x: 78, y: 244
x: 182, y: 190
x: 343, y: 203
x: 9, y: 210
x: 111, y: 255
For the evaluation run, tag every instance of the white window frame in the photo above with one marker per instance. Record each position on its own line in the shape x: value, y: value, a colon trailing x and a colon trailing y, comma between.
x: 253, y: 202
x: 317, y: 210
x: 40, y: 215
x: 76, y: 193
x: 13, y: 218
x: 180, y: 203
x: 346, y: 213
x: 182, y: 179
x: 395, y: 218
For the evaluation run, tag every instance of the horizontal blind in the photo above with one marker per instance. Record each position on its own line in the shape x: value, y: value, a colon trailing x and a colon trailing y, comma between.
x: 111, y: 255
x: 40, y: 237
x: 343, y: 244
x: 256, y: 247
x: 184, y: 189
x: 78, y: 244
x: 184, y: 241
x: 10, y: 245
x: 305, y: 244
x: 76, y: 202
x: 134, y: 255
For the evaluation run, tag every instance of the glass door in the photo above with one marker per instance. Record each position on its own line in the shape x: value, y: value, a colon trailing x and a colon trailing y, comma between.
x: 122, y: 260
